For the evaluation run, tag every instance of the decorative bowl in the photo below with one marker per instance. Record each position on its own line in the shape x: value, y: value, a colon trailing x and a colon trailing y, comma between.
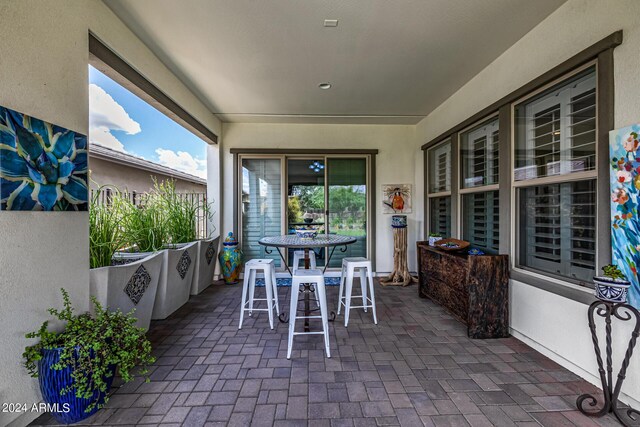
x: 308, y: 220
x: 306, y: 234
x: 612, y: 290
x: 451, y: 244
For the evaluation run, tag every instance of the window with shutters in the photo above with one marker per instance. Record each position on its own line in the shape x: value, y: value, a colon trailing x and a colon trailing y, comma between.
x: 555, y: 179
x: 480, y: 220
x: 440, y: 168
x: 439, y: 188
x: 479, y: 154
x: 556, y: 131
x: 440, y: 215
x: 479, y: 157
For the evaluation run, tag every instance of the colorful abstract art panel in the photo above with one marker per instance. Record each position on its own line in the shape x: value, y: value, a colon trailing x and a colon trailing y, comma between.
x: 43, y: 167
x: 624, y: 155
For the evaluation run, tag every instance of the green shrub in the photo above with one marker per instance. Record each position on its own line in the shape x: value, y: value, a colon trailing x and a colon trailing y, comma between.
x: 294, y: 213
x: 90, y: 345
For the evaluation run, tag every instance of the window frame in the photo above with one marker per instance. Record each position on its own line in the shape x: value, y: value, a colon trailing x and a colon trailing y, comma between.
x: 560, y: 178
x: 480, y: 188
x: 449, y: 193
x: 431, y: 149
x: 515, y: 186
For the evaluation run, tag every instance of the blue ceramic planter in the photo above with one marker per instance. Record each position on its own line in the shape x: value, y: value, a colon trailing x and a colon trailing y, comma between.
x: 399, y: 221
x: 612, y: 290
x: 66, y: 409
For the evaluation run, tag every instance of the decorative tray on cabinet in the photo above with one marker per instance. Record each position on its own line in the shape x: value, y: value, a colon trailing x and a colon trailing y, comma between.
x: 451, y: 245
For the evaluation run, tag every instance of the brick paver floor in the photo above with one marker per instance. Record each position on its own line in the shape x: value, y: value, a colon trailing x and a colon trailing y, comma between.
x: 416, y: 367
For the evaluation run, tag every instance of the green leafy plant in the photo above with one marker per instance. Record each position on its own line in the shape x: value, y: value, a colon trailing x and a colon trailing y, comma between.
x: 92, y: 345
x: 105, y: 230
x: 435, y: 235
x: 613, y: 272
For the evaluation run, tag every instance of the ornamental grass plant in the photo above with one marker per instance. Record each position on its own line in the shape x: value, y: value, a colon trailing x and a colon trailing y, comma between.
x: 181, y: 211
x: 162, y: 217
x: 145, y: 225
x: 106, y: 235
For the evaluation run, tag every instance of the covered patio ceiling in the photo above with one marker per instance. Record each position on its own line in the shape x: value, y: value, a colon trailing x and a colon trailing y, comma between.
x: 262, y: 61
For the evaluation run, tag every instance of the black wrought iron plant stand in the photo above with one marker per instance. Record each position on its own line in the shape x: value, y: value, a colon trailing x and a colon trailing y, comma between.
x: 611, y: 391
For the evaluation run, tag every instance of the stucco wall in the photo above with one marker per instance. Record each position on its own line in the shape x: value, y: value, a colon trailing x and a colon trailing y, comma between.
x: 554, y: 324
x: 132, y: 179
x: 394, y: 165
x: 44, y: 73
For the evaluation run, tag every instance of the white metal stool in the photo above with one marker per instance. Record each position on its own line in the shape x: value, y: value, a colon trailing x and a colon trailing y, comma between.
x: 251, y: 268
x: 299, y: 256
x: 315, y: 277
x: 349, y: 266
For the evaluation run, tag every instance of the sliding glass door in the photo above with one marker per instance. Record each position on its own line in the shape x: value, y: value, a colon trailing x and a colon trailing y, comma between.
x: 347, y: 204
x: 261, y: 205
x: 279, y: 194
x: 306, y: 199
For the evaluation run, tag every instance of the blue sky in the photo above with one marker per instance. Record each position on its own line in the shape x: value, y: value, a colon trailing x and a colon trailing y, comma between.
x: 120, y: 120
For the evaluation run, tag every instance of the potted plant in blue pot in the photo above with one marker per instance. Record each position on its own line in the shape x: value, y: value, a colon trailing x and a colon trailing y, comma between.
x: 76, y: 367
x: 612, y: 286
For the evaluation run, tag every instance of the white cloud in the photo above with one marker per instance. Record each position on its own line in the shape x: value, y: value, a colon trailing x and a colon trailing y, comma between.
x: 183, y: 161
x: 106, y: 115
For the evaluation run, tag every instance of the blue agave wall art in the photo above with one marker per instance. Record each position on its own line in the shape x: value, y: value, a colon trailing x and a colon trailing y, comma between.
x: 43, y: 167
x: 624, y: 155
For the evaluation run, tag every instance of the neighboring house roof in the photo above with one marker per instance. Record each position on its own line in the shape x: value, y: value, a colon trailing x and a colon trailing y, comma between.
x: 109, y: 155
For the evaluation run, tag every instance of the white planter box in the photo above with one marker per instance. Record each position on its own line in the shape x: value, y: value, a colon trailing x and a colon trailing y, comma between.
x: 205, y: 264
x: 129, y: 286
x: 175, y: 279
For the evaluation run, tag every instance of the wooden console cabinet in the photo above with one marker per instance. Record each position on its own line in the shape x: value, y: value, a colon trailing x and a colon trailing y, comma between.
x: 475, y: 289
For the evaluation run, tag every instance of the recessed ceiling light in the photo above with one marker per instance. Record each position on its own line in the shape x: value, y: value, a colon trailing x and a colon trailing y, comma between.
x: 324, y: 85
x: 330, y: 22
